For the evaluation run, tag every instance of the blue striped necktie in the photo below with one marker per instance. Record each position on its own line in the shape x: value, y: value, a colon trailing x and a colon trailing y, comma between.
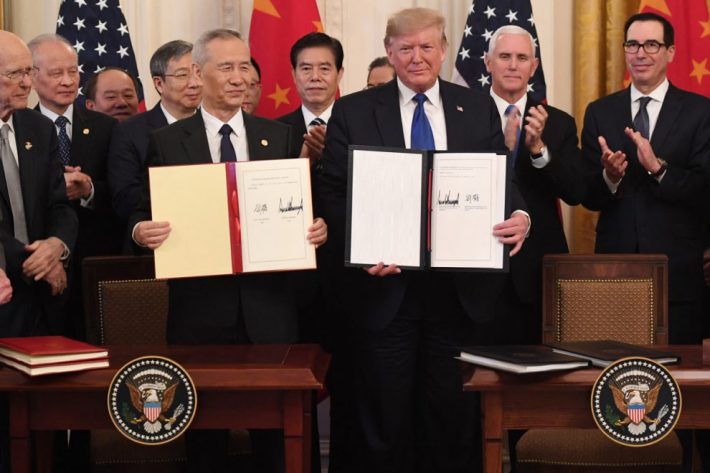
x: 64, y: 141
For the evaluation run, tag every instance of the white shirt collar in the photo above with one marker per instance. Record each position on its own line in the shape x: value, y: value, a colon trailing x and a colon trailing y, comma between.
x: 658, y: 94
x: 214, y: 124
x: 406, y: 94
x: 308, y: 116
x: 171, y: 119
x: 68, y: 113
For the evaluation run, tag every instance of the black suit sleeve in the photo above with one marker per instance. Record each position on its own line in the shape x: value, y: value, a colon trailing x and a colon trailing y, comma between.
x: 124, y: 172
x: 597, y: 194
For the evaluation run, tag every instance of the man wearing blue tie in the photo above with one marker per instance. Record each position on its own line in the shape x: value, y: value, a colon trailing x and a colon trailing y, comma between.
x: 408, y: 411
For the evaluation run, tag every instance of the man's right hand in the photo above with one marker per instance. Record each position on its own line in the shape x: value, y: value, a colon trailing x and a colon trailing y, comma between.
x: 151, y: 234
x: 5, y: 288
x: 614, y: 163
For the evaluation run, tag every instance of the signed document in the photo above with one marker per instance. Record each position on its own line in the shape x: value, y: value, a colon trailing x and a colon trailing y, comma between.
x: 422, y: 210
x: 231, y: 218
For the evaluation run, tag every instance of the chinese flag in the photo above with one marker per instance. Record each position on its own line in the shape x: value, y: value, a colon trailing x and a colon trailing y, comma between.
x: 690, y: 69
x: 275, y: 26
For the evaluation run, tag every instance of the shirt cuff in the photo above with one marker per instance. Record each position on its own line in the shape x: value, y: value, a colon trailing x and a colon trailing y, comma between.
x: 527, y: 215
x: 612, y: 186
x: 542, y: 161
x: 133, y: 236
x: 89, y: 201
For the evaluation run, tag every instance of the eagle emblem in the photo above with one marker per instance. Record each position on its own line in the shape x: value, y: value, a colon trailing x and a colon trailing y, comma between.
x: 152, y: 400
x: 636, y: 401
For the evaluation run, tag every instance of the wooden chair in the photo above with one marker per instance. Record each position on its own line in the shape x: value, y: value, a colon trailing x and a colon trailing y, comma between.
x: 595, y: 297
x: 125, y: 305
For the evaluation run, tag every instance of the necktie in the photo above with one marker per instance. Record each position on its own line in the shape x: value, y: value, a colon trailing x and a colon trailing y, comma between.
x: 316, y: 121
x: 422, y: 137
x: 64, y: 142
x: 226, y: 149
x: 14, y: 190
x: 641, y: 119
x: 511, y: 131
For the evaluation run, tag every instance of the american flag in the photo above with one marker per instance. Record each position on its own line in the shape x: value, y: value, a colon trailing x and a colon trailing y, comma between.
x: 484, y: 18
x: 97, y: 29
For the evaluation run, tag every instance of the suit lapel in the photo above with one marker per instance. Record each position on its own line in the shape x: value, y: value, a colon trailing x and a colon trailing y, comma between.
x: 454, y: 114
x: 194, y: 140
x: 27, y: 147
x: 670, y: 111
x: 257, y: 142
x: 388, y: 116
x: 80, y: 137
x: 156, y: 118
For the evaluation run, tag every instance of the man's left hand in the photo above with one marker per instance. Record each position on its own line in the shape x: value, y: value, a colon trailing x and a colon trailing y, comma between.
x: 318, y: 232
x: 45, y: 254
x: 536, y: 119
x: 56, y: 278
x: 513, y: 231
x: 78, y: 183
x: 313, y: 143
x: 647, y: 158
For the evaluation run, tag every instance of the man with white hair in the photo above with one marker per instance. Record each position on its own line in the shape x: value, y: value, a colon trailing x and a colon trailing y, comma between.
x: 546, y: 160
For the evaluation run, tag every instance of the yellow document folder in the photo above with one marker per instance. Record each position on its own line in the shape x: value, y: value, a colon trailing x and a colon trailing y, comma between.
x: 229, y: 218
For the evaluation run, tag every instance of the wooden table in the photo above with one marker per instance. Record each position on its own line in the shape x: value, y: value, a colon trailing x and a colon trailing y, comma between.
x: 562, y: 399
x: 239, y: 387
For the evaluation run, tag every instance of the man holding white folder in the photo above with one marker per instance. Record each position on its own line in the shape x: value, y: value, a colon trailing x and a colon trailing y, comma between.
x: 249, y: 308
x: 405, y: 327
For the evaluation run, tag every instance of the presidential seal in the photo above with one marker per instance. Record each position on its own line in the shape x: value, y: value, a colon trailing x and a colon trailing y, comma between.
x: 152, y: 400
x: 636, y: 402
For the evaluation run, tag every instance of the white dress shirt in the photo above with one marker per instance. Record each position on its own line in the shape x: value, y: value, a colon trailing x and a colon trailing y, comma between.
x: 214, y: 138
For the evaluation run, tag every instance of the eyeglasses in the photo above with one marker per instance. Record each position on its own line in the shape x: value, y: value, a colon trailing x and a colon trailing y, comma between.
x: 651, y: 46
x: 182, y: 76
x: 18, y: 75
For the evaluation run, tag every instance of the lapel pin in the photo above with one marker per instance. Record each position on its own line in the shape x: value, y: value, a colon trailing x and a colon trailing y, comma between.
x: 85, y: 131
x: 459, y: 108
x: 28, y: 145
x: 264, y: 143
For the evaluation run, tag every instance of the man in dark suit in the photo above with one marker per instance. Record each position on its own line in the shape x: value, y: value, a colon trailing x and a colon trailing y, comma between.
x: 317, y: 67
x: 37, y: 245
x: 547, y: 167
x: 648, y: 150
x: 38, y: 227
x: 83, y: 137
x: 112, y: 91
x: 404, y: 328
x: 180, y: 94
x: 250, y: 308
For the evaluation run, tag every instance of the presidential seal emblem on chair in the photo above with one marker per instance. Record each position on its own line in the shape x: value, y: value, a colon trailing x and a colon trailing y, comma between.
x: 636, y: 402
x: 152, y: 400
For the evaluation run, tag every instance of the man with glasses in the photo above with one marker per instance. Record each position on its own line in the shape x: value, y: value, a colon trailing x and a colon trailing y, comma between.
x: 648, y: 150
x: 180, y: 95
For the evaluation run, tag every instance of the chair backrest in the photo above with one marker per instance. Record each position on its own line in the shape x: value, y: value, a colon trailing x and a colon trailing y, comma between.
x: 123, y: 302
x: 621, y: 297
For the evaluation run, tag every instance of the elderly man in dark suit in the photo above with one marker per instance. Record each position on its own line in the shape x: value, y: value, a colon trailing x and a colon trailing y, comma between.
x: 648, y: 149
x: 83, y: 143
x: 38, y: 227
x: 547, y: 166
x: 180, y: 95
x: 250, y: 308
x: 405, y: 327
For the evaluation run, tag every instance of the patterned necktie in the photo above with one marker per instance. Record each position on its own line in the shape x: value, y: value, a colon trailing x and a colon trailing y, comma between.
x: 226, y: 149
x: 316, y: 121
x: 64, y: 141
x: 641, y: 123
x: 14, y: 188
x: 512, y: 126
x: 422, y: 136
